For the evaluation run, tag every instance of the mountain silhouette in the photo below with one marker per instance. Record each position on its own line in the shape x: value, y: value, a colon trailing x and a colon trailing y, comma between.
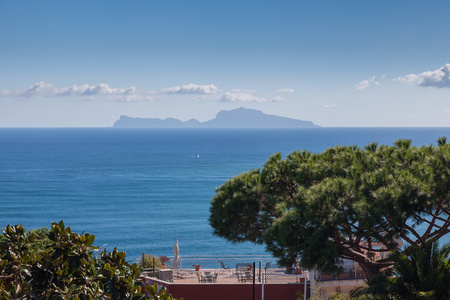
x: 236, y: 118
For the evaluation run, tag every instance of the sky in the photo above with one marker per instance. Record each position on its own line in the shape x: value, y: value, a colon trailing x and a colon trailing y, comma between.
x: 337, y: 63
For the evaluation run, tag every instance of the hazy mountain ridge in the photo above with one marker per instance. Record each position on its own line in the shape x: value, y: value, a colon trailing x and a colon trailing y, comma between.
x: 237, y: 118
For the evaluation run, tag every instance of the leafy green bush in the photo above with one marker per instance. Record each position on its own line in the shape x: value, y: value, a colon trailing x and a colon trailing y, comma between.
x: 149, y: 259
x: 158, y: 294
x: 343, y: 296
x: 338, y: 296
x: 60, y: 264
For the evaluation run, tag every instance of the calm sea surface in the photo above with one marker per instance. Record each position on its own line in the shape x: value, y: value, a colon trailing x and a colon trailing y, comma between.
x: 140, y: 190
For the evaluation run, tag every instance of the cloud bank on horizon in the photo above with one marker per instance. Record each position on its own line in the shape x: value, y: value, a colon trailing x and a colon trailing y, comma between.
x: 103, y: 91
x: 439, y: 78
x: 85, y: 91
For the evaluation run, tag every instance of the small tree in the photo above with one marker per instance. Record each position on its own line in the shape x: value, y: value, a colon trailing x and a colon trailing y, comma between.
x: 149, y: 261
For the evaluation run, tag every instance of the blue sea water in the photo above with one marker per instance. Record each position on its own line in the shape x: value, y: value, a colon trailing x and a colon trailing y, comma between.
x: 140, y: 189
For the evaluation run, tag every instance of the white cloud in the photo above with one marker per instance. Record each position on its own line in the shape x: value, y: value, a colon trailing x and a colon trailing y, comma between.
x: 439, y: 78
x: 366, y: 83
x: 447, y: 110
x: 408, y: 78
x: 191, y: 88
x: 278, y: 99
x: 39, y: 89
x: 240, y: 97
x: 243, y: 91
x: 285, y: 91
x: 362, y: 85
x: 100, y: 91
x: 4, y: 92
x: 107, y: 93
x: 329, y: 105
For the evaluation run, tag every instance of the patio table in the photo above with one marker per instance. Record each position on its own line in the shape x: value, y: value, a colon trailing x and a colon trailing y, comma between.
x: 209, y: 277
x: 243, y: 277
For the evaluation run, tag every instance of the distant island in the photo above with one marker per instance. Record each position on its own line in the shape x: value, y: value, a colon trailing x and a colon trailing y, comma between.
x: 237, y: 118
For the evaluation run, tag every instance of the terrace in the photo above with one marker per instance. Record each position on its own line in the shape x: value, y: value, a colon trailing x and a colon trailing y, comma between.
x: 242, y: 277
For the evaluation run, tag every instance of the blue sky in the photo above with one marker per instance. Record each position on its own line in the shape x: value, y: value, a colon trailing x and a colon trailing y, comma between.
x: 336, y: 63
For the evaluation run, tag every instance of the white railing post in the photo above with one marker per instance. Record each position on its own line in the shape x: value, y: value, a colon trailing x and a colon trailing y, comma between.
x: 304, y: 289
x: 262, y: 285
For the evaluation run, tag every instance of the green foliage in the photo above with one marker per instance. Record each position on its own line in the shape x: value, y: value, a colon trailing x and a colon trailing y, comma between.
x: 338, y: 296
x: 419, y: 273
x: 59, y: 264
x: 148, y: 261
x: 316, y: 290
x: 344, y: 296
x: 324, y: 207
x: 158, y: 294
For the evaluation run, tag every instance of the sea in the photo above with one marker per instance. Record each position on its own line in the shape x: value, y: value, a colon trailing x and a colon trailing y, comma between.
x: 141, y: 189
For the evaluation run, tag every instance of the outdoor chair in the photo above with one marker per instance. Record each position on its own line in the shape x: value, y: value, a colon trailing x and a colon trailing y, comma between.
x: 267, y: 266
x: 243, y: 267
x: 244, y: 276
x: 224, y: 268
x: 201, y: 279
x: 181, y: 274
x: 207, y: 277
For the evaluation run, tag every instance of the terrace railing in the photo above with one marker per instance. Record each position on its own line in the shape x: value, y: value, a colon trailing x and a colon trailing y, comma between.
x: 214, y: 261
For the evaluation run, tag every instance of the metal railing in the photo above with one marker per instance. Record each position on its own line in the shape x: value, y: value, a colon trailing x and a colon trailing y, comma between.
x: 284, y: 279
x: 350, y: 271
x: 214, y: 261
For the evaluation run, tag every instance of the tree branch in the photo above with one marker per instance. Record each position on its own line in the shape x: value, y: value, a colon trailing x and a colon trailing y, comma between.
x: 408, y: 240
x: 419, y: 238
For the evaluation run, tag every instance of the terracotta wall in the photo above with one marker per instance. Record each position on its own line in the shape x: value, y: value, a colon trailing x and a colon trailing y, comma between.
x: 236, y: 291
x: 207, y: 291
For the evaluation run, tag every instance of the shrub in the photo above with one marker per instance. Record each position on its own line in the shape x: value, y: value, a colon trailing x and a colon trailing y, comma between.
x: 149, y: 259
x: 60, y: 264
